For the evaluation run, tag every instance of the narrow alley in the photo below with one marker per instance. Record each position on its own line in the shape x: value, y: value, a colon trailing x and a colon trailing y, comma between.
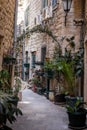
x: 40, y: 114
x: 43, y: 54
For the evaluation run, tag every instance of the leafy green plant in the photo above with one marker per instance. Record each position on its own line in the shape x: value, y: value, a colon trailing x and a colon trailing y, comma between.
x: 35, y: 81
x: 48, y: 65
x: 69, y: 64
x: 79, y: 62
x: 75, y: 105
x: 8, y: 110
x: 76, y: 112
x: 67, y: 71
x: 5, y: 80
x: 69, y: 76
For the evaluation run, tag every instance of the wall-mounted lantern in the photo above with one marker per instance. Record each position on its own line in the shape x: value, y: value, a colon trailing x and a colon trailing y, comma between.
x: 66, y: 6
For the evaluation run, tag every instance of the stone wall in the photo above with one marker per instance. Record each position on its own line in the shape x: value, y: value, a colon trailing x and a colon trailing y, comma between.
x: 7, y: 10
x: 57, y: 24
x: 85, y: 56
x: 35, y: 41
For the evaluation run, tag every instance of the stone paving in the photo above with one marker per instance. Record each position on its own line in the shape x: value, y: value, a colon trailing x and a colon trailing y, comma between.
x: 40, y: 114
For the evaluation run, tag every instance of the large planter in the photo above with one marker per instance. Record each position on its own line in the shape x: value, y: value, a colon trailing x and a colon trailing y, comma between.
x: 4, y: 127
x: 77, y: 120
x: 60, y: 98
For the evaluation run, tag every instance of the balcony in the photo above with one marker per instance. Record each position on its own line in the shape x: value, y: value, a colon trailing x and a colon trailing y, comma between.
x: 9, y: 60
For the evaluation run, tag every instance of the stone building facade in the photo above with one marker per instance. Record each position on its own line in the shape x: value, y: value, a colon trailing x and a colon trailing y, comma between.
x: 19, y: 43
x: 38, y: 13
x: 30, y: 44
x: 7, y: 13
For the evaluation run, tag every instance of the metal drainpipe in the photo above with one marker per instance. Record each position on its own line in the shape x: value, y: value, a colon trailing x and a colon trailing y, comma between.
x: 82, y: 35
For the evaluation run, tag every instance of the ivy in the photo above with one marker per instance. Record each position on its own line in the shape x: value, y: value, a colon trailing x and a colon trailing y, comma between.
x: 39, y: 29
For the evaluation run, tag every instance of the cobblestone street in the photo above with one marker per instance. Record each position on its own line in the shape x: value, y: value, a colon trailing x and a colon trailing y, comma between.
x: 40, y: 114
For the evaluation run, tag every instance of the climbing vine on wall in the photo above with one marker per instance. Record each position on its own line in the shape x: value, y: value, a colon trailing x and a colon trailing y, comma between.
x: 40, y: 29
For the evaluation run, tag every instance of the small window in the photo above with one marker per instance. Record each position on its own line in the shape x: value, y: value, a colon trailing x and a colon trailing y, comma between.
x: 33, y: 59
x: 26, y: 56
x: 54, y: 2
x: 43, y: 54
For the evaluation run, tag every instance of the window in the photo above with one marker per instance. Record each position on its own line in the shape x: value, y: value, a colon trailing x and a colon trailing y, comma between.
x: 43, y: 53
x: 44, y: 3
x: 26, y: 56
x: 33, y: 59
x: 27, y: 16
x: 54, y: 2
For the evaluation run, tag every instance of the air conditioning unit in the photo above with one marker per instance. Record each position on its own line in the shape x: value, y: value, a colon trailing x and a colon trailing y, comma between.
x: 44, y: 13
x: 39, y: 19
x: 48, y: 12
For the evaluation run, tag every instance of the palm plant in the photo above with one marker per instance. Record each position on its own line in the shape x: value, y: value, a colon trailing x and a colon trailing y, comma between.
x: 69, y: 75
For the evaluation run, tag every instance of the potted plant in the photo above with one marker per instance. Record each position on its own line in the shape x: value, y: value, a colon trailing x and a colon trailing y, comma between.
x: 35, y: 81
x: 64, y: 72
x: 61, y: 88
x: 65, y: 64
x: 69, y: 76
x: 76, y: 113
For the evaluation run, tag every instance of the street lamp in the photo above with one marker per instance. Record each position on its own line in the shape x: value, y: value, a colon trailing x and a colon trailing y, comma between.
x: 66, y: 6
